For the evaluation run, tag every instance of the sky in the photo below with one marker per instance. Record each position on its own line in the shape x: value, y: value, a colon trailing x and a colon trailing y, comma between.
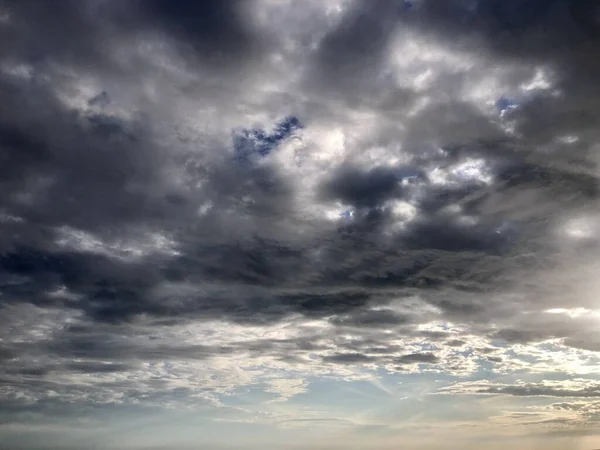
x: 266, y: 224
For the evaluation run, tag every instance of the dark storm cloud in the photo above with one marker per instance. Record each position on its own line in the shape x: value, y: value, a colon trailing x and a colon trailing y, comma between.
x: 533, y: 390
x: 119, y: 224
x: 371, y: 318
x: 216, y: 30
x: 132, y: 190
x: 7, y: 354
x: 40, y: 32
x: 418, y: 358
x: 539, y: 29
x: 349, y: 64
x: 361, y: 358
x: 43, y: 146
x: 351, y: 186
x: 561, y: 34
x: 522, y: 336
x: 352, y: 52
x: 96, y: 346
x: 348, y: 358
x: 84, y: 367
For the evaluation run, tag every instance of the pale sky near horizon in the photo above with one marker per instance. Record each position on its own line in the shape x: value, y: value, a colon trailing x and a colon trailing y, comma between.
x: 266, y: 224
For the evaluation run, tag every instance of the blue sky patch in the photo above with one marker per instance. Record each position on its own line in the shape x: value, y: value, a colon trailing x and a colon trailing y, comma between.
x: 258, y: 142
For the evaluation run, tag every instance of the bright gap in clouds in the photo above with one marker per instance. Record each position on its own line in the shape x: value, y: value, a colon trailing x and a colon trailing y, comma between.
x: 230, y: 224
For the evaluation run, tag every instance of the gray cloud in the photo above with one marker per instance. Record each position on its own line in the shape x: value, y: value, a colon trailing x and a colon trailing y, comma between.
x: 427, y: 358
x: 348, y: 358
x: 575, y: 389
x: 166, y: 164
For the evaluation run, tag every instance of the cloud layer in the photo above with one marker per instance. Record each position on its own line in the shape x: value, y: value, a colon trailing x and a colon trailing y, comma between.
x: 201, y: 197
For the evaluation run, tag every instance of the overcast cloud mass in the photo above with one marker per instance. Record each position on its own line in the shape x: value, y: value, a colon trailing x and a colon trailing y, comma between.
x: 299, y: 224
